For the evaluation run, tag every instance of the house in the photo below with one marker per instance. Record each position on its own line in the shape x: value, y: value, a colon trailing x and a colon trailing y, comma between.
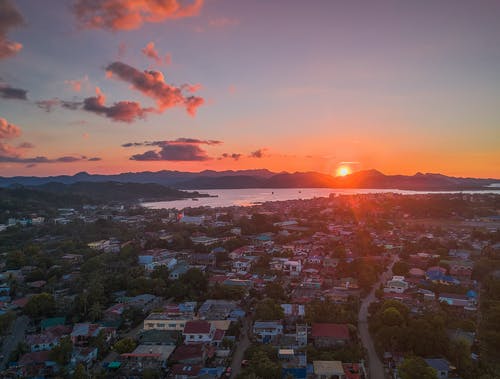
x: 49, y: 338
x: 457, y: 300
x: 184, y: 371
x: 114, y: 312
x: 51, y: 322
x: 164, y: 321
x: 82, y: 333
x: 180, y: 269
x: 198, y: 332
x: 84, y: 355
x: 460, y: 268
x: 144, y: 302
x: 242, y: 264
x: 292, y: 267
x: 37, y: 364
x: 205, y: 259
x: 267, y: 331
x: 328, y: 370
x: 396, y: 285
x: 192, y: 354
x: 147, y: 355
x: 442, y: 367
x: 205, y: 240
x: 216, y: 309
x: 330, y: 335
x: 294, y: 310
x: 354, y: 370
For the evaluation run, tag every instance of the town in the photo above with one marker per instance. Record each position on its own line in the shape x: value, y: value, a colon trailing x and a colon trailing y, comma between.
x: 348, y: 286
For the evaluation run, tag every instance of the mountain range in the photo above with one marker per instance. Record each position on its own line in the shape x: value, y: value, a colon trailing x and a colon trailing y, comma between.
x: 263, y: 178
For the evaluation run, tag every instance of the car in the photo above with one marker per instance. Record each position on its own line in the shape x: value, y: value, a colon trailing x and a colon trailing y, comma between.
x: 228, y: 372
x: 244, y: 363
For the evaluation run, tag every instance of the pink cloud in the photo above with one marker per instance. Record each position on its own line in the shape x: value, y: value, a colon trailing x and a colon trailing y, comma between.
x: 153, y: 85
x: 222, y: 22
x: 8, y: 130
x: 9, y: 18
x: 151, y: 52
x: 125, y: 111
x: 76, y: 84
x: 168, y: 59
x: 131, y: 14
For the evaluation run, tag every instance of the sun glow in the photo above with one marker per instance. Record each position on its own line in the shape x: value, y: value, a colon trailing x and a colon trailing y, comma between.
x: 343, y: 171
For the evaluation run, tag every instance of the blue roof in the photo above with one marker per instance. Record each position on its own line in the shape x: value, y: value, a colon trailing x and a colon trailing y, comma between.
x: 438, y: 364
x: 471, y: 293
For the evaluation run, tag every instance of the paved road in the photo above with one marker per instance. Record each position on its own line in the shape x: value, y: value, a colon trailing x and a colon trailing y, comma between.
x: 18, y: 330
x: 375, y: 367
x: 241, y: 347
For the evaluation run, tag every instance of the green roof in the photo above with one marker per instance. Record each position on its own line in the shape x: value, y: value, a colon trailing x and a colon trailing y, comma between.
x: 50, y: 322
x: 114, y: 364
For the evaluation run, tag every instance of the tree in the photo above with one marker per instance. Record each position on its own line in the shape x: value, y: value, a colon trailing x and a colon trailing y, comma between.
x: 125, y: 345
x: 416, y: 368
x: 40, y: 305
x: 6, y: 320
x: 80, y: 372
x: 392, y: 317
x: 268, y: 309
x: 62, y: 352
x: 275, y: 291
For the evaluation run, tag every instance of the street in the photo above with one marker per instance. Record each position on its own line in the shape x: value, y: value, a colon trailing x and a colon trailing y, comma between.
x: 241, y: 347
x: 375, y: 365
x: 17, y: 332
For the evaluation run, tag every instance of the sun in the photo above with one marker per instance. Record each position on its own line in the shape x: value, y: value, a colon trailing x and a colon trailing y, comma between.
x: 343, y: 171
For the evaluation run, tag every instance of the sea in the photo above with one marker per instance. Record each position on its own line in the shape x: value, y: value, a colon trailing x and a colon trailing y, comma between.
x: 253, y: 196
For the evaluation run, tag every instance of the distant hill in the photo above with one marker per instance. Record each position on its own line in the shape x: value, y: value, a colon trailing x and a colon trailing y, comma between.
x: 54, y: 195
x: 117, y: 191
x: 257, y: 179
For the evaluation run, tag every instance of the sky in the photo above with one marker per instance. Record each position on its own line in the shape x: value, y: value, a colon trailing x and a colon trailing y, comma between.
x: 109, y: 86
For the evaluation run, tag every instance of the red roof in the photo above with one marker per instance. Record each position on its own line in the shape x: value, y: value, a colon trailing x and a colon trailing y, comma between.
x: 219, y: 335
x: 185, y: 352
x: 352, y: 370
x: 197, y: 327
x: 34, y: 358
x: 337, y: 331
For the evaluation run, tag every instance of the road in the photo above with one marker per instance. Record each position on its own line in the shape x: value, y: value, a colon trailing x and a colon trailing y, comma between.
x: 241, y: 347
x: 17, y: 332
x: 375, y: 366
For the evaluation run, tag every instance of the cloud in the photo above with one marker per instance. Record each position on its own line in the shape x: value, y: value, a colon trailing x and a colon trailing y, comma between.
x: 124, y: 111
x: 180, y: 149
x: 40, y: 159
x: 8, y: 92
x: 153, y: 85
x: 222, y: 22
x: 11, y: 154
x: 168, y: 59
x: 235, y: 156
x: 175, y: 152
x: 131, y: 14
x: 151, y: 52
x: 178, y: 141
x: 257, y: 153
x: 25, y: 145
x: 8, y: 130
x: 9, y: 18
x: 48, y: 105
x: 94, y: 159
x: 76, y: 84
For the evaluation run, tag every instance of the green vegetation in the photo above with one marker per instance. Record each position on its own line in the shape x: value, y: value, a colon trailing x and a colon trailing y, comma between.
x: 416, y: 368
x: 125, y: 345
